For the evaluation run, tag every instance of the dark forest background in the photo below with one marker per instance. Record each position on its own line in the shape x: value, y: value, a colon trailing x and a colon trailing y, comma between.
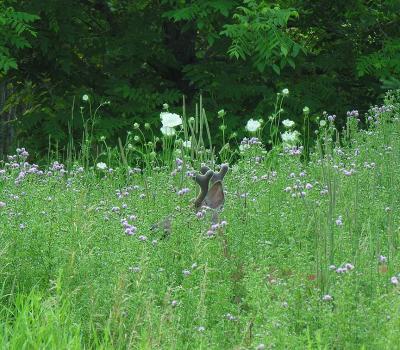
x: 138, y: 54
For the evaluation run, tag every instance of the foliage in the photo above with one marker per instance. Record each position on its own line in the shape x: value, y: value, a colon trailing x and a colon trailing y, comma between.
x: 261, y: 35
x: 16, y: 32
x: 141, y: 54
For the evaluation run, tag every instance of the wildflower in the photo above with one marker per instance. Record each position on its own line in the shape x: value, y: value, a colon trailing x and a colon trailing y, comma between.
x: 174, y: 303
x: 186, y: 272
x: 101, y: 166
x: 230, y: 317
x: 85, y: 98
x: 322, y: 123
x: 136, y: 125
x: 290, y: 137
x: 253, y: 125
x: 394, y: 280
x: 339, y: 221
x: 349, y: 266
x: 201, y: 328
x: 187, y: 144
x: 142, y: 238
x: 167, y: 131
x: 170, y: 120
x: 210, y: 233
x: 260, y: 346
x: 285, y: 92
x: 382, y: 259
x: 183, y: 191
x: 332, y: 117
x: 306, y: 110
x: 165, y: 106
x: 2, y: 204
x: 200, y: 214
x: 327, y: 297
x: 341, y: 270
x: 309, y: 186
x: 288, y: 123
x: 134, y: 269
x: 221, y: 113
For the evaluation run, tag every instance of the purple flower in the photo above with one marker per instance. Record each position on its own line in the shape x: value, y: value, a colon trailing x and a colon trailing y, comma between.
x: 341, y: 270
x: 186, y: 272
x: 327, y: 297
x: 200, y: 214
x: 134, y: 269
x: 349, y: 266
x: 394, y: 280
x: 382, y: 259
x: 339, y: 221
x: 230, y: 317
x: 210, y: 233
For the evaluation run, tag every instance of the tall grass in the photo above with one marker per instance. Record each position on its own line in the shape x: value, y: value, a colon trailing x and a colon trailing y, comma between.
x: 309, y: 256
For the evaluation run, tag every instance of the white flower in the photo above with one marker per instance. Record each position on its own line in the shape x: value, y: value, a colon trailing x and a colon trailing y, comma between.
x: 306, y: 110
x: 187, y: 144
x: 168, y: 131
x: 290, y: 137
x: 85, y: 97
x: 101, y: 166
x: 285, y: 92
x: 253, y: 125
x: 288, y: 123
x: 394, y: 280
x: 170, y: 120
x: 322, y: 123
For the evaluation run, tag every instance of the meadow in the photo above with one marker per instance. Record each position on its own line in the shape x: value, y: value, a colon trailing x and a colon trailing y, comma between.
x: 305, y: 253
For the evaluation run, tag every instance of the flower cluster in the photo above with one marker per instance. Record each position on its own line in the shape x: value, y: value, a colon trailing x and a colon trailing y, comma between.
x: 248, y: 143
x: 169, y: 122
x: 290, y: 138
x: 214, y: 227
x: 253, y: 125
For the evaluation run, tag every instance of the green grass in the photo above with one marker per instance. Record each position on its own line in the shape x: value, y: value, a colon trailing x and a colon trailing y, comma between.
x: 72, y: 279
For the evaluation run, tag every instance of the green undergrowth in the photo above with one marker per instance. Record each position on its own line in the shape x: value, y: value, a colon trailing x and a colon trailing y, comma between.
x: 307, y: 255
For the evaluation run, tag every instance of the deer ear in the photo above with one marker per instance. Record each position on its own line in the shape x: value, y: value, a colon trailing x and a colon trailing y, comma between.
x: 215, y: 196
